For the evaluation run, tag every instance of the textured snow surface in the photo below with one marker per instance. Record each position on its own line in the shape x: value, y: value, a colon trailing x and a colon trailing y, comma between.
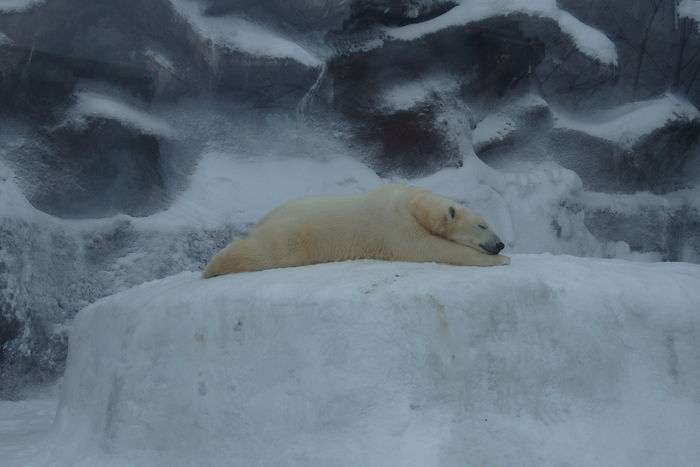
x: 554, y: 360
x: 628, y: 124
x: 588, y: 40
x: 243, y: 35
x: 95, y: 105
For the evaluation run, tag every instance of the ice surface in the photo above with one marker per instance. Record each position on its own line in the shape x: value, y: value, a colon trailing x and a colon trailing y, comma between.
x: 92, y: 104
x: 689, y: 9
x: 588, y: 40
x: 628, y: 124
x: 243, y: 35
x: 554, y: 360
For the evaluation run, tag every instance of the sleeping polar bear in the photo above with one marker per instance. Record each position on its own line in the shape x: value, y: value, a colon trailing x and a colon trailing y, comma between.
x: 393, y: 223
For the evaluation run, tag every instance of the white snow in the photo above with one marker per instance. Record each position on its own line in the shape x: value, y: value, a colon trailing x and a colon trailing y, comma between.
x: 554, y: 360
x: 493, y: 128
x: 689, y: 9
x: 92, y: 104
x: 406, y: 95
x: 588, y: 40
x: 18, y: 6
x: 628, y: 124
x: 243, y: 35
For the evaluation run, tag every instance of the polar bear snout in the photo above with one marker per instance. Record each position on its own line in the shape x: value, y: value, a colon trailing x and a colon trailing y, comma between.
x: 492, y: 247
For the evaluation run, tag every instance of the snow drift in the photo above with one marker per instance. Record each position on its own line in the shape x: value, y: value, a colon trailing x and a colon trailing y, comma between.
x: 554, y: 360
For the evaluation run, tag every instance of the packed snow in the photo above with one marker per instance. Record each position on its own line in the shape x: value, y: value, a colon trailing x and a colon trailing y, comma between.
x: 554, y: 360
x: 243, y: 35
x: 628, y: 124
x: 91, y: 104
x: 588, y: 40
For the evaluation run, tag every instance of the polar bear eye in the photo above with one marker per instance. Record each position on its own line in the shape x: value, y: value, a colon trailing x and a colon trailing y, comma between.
x: 452, y: 211
x: 482, y: 227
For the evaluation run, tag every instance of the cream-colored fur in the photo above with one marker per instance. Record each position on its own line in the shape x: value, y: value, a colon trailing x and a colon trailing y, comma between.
x: 393, y: 223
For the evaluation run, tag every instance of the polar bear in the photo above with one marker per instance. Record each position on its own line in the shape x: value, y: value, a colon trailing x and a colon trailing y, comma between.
x: 394, y: 223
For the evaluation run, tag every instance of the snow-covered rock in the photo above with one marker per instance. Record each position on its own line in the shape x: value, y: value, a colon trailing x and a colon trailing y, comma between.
x: 242, y: 35
x: 95, y: 105
x: 554, y: 360
x: 588, y: 40
x: 628, y: 125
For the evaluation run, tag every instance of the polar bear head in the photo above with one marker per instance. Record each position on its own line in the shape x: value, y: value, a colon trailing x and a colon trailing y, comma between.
x: 452, y: 221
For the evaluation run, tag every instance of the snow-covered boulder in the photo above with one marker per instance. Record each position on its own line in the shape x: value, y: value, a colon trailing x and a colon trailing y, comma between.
x: 554, y: 360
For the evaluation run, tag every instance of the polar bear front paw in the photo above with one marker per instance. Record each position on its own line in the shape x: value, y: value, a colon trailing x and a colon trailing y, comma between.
x: 504, y: 260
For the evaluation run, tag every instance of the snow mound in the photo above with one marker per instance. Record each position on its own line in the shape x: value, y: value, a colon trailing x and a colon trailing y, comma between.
x: 588, y: 40
x: 243, y: 35
x: 95, y: 105
x: 628, y: 124
x: 553, y: 360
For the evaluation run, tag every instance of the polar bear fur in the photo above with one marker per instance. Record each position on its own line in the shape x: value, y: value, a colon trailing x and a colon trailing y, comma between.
x: 393, y: 223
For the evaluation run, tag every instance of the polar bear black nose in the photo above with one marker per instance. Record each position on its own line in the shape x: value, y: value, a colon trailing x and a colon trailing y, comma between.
x: 500, y: 246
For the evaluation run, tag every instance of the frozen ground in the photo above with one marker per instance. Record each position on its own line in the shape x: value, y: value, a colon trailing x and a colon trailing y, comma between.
x: 554, y: 360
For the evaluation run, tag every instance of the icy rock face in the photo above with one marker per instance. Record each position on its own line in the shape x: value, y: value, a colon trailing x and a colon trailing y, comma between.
x: 550, y: 361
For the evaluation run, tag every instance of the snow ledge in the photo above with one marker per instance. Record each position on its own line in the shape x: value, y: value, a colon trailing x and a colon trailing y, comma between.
x: 378, y: 363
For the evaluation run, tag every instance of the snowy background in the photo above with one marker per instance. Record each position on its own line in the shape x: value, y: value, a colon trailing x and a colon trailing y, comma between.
x: 138, y: 137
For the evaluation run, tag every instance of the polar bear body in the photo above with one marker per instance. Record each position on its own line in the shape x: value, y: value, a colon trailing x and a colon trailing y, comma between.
x: 393, y: 223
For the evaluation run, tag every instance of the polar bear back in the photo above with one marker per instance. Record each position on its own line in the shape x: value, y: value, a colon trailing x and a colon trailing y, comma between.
x: 337, y: 228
